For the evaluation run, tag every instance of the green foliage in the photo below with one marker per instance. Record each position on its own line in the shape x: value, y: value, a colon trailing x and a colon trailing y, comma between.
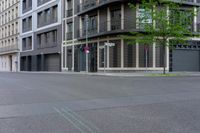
x: 161, y: 20
x: 165, y: 22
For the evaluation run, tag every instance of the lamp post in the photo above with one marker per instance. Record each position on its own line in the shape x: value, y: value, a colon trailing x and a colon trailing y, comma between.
x: 86, y: 48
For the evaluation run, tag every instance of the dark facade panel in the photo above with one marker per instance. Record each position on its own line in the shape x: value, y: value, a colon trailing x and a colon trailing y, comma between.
x: 186, y: 60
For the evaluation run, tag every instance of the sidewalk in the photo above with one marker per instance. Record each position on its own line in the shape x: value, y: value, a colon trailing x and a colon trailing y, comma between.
x: 125, y: 74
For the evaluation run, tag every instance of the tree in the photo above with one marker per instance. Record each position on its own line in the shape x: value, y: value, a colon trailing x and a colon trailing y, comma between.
x: 164, y: 22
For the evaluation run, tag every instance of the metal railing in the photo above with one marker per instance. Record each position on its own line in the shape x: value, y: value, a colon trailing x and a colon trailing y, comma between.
x: 47, y: 45
x: 44, y: 23
x: 25, y: 29
x: 92, y: 3
x: 109, y: 26
x: 40, y: 2
x: 9, y: 48
x: 24, y: 10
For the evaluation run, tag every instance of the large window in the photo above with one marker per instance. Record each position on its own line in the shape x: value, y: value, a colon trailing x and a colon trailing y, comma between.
x: 27, y: 24
x: 47, y: 39
x: 26, y: 43
x: 129, y: 55
x: 145, y: 55
x: 116, y: 19
x: 115, y: 54
x: 69, y: 30
x: 48, y: 16
x: 26, y: 5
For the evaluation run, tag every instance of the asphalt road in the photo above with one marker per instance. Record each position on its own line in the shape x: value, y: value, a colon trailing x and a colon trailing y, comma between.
x: 60, y: 103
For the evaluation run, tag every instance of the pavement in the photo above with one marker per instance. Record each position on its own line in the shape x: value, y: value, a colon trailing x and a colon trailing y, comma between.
x: 122, y: 74
x: 82, y: 103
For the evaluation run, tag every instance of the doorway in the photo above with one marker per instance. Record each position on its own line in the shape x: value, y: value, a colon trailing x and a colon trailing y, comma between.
x: 10, y: 62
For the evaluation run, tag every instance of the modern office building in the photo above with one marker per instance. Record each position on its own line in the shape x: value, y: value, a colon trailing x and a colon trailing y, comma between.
x: 40, y: 35
x: 89, y: 24
x: 9, y: 34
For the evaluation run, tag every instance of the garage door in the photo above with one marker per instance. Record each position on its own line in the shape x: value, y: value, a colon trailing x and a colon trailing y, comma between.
x: 186, y: 60
x: 52, y: 62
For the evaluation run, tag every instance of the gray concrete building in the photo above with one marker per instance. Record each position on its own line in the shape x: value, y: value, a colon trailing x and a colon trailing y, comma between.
x: 40, y: 35
x: 106, y: 20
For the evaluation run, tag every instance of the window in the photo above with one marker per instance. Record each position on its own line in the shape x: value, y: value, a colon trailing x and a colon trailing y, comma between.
x: 116, y: 19
x: 69, y: 30
x: 47, y: 16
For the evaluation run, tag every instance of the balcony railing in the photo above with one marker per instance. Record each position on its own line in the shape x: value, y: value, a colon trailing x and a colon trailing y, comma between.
x: 25, y: 29
x: 41, y: 2
x: 88, y: 4
x: 27, y: 9
x: 9, y: 48
x: 109, y: 27
x: 28, y: 47
x: 44, y: 23
x: 47, y: 45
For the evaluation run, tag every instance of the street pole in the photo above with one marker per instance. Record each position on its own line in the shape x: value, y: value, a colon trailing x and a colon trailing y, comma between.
x: 105, y: 59
x: 86, y: 19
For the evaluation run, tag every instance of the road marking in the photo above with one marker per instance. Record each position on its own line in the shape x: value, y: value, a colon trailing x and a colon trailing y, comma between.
x: 82, y: 125
x: 82, y: 119
x: 74, y: 124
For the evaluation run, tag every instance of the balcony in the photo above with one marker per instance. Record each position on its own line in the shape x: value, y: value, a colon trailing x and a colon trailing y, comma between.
x: 107, y: 28
x: 93, y: 4
x: 45, y: 23
x: 47, y: 45
x: 27, y: 9
x: 26, y: 29
x: 9, y: 49
x: 41, y: 2
x: 27, y: 47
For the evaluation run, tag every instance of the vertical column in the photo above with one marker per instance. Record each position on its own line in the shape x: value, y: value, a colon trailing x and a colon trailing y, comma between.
x: 195, y: 19
x: 137, y: 20
x: 73, y: 58
x: 122, y: 16
x: 66, y: 61
x: 137, y: 54
x: 108, y: 56
x: 62, y: 57
x: 98, y: 21
x: 98, y: 54
x: 122, y: 53
x: 81, y: 27
x: 154, y: 54
x: 108, y: 19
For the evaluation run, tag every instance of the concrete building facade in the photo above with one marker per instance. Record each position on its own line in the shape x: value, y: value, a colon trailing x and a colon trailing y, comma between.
x: 106, y: 21
x: 40, y: 35
x: 9, y: 35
